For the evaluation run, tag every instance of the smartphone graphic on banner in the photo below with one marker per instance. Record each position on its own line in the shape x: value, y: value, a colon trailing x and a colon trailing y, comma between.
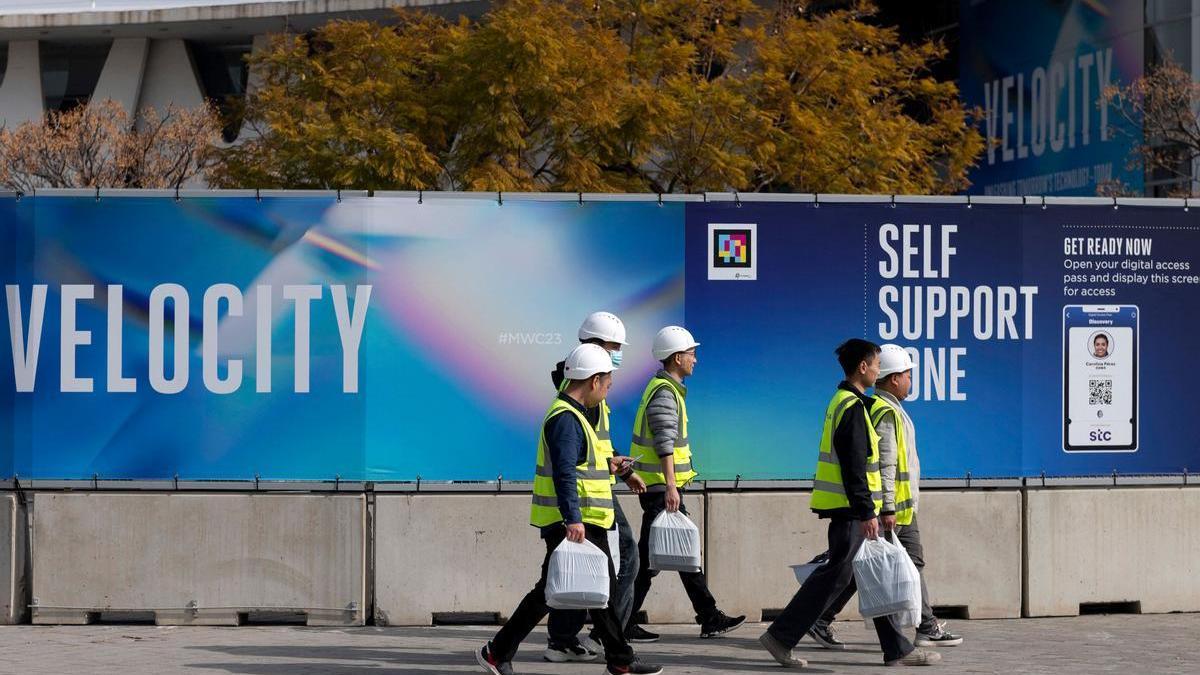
x: 1100, y: 378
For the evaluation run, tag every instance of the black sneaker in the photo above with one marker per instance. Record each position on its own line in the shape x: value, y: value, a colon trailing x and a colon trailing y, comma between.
x: 720, y: 624
x: 636, y: 633
x: 635, y: 668
x: 491, y: 663
x: 557, y: 652
x: 822, y: 634
x: 937, y: 636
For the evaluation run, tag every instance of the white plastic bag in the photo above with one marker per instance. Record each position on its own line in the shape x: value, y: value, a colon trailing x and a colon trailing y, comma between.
x: 912, y: 616
x: 614, y: 549
x: 577, y: 577
x: 674, y: 543
x: 886, y: 578
x: 803, y: 572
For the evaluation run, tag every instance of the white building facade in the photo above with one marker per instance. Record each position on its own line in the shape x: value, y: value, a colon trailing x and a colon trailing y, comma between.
x: 59, y: 54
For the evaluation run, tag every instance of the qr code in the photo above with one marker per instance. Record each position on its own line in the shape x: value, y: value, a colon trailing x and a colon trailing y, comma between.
x: 1099, y: 392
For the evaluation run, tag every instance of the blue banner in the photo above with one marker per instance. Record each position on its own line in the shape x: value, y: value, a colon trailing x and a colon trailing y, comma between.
x: 1036, y: 70
x: 389, y: 338
x: 1013, y: 315
x: 308, y: 338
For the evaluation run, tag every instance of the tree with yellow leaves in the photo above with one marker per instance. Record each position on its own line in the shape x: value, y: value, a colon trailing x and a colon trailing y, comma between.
x: 606, y: 95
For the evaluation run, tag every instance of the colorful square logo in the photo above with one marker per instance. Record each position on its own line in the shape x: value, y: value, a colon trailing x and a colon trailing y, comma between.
x: 732, y: 252
x: 732, y: 249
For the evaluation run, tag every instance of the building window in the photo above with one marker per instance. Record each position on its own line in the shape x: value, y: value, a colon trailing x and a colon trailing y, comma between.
x: 70, y: 72
x: 3, y: 62
x: 1169, y: 41
x: 223, y: 75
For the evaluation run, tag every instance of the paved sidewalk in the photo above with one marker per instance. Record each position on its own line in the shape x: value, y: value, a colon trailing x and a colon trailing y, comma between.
x: 1094, y: 644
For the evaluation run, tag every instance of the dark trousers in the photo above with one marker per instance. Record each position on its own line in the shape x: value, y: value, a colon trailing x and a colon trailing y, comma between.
x: 910, y: 538
x: 827, y: 584
x: 533, y: 608
x: 703, y: 603
x: 565, y: 624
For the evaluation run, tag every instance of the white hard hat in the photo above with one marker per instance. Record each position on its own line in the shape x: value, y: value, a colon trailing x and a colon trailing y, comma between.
x: 603, y: 326
x: 585, y: 361
x: 672, y: 340
x: 893, y: 359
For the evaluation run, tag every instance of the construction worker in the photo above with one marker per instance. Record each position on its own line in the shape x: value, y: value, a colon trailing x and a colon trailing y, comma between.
x: 606, y: 330
x: 847, y: 492
x: 573, y: 500
x: 662, y: 457
x: 900, y: 474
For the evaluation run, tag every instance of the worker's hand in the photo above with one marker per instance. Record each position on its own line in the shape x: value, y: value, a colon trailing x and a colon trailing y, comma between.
x: 888, y: 522
x: 575, y: 532
x: 672, y: 499
x: 617, y: 464
x: 636, y: 483
x: 870, y: 528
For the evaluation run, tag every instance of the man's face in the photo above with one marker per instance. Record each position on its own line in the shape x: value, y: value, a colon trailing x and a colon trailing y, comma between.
x: 869, y: 369
x: 903, y: 384
x: 687, y: 362
x: 598, y: 391
x: 1100, y: 346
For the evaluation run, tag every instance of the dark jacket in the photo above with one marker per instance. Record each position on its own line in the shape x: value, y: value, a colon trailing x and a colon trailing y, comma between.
x: 566, y: 448
x: 852, y: 445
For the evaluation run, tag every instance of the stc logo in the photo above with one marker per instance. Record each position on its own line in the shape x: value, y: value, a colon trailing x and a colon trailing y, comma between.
x: 1100, y: 435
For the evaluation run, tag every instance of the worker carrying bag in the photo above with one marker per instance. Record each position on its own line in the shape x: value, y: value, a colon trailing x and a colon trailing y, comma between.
x: 577, y: 577
x: 887, y: 579
x: 674, y: 543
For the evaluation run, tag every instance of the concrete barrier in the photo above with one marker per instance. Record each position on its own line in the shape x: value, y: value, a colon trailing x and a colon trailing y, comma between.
x: 1119, y: 545
x: 973, y: 550
x: 972, y: 546
x: 199, y: 558
x: 753, y: 537
x: 14, y: 589
x: 476, y: 553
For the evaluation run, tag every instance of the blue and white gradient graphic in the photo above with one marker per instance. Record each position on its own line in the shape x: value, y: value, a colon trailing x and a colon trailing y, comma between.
x: 472, y: 303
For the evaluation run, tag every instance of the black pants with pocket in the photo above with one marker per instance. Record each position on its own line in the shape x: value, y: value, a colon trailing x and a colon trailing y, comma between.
x: 533, y: 608
x: 564, y: 624
x: 825, y: 585
x: 909, y: 537
x: 703, y: 603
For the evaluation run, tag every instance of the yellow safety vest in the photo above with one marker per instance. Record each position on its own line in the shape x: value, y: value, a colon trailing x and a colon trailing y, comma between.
x: 880, y: 409
x: 604, y: 446
x: 829, y: 492
x: 645, y: 459
x: 591, y: 478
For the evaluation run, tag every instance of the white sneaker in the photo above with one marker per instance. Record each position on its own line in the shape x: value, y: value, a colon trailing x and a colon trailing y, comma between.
x: 917, y: 657
x: 591, y: 644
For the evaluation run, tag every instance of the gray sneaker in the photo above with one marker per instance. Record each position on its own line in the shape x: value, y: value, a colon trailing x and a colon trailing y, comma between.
x: 782, y: 655
x: 917, y: 657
